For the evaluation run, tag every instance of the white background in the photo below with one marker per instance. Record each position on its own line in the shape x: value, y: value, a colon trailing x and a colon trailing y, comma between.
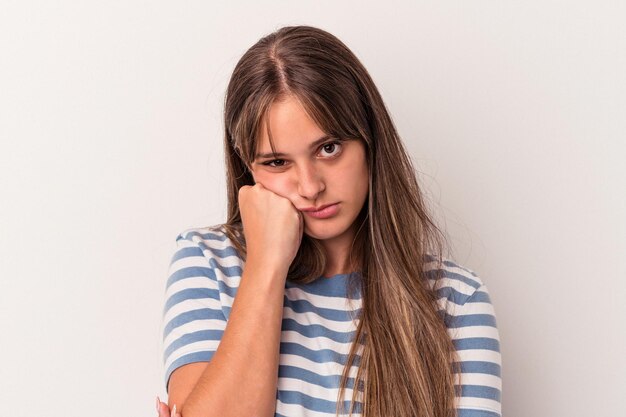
x: 111, y: 144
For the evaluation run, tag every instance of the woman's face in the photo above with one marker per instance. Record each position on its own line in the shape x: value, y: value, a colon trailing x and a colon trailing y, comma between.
x: 312, y: 173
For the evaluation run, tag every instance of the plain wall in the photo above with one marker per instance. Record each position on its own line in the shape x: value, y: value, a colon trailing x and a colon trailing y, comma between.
x: 111, y: 144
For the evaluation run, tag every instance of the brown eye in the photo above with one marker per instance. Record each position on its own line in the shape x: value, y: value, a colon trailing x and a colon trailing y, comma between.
x: 331, y: 146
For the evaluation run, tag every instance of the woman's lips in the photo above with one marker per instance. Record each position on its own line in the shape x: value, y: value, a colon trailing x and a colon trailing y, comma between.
x: 324, y: 213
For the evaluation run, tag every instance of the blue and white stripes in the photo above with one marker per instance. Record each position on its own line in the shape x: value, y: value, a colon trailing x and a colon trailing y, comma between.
x: 319, y: 323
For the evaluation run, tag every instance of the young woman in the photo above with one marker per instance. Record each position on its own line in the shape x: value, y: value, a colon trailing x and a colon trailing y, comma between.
x: 328, y: 290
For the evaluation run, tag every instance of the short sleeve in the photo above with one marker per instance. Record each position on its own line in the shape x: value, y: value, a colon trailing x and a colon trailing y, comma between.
x: 193, y: 319
x: 477, y: 342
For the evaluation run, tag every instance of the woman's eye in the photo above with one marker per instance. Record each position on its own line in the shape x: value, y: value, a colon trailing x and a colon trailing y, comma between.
x: 332, y: 146
x: 269, y: 163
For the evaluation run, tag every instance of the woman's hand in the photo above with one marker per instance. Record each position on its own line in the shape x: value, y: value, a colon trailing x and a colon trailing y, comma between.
x: 272, y: 226
x: 164, y: 410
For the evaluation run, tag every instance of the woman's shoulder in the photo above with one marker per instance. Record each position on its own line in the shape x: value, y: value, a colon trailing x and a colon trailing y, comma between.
x: 207, y: 234
x: 207, y: 251
x: 456, y: 283
x: 212, y: 240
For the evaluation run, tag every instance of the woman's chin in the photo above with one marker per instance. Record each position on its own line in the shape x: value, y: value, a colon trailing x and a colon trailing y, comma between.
x: 322, y: 232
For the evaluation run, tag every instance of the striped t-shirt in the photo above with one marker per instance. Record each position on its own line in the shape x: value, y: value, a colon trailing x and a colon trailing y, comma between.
x: 318, y: 326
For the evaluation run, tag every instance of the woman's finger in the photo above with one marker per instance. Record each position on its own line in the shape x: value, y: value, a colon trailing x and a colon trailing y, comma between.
x: 163, y: 409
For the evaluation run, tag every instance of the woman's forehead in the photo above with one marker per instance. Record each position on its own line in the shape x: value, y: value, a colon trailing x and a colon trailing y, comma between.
x: 288, y: 125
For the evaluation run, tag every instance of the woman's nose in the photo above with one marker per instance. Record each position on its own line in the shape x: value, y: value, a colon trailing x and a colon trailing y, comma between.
x: 310, y: 182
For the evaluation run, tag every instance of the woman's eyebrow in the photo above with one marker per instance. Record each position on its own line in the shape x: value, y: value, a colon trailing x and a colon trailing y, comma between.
x: 311, y: 146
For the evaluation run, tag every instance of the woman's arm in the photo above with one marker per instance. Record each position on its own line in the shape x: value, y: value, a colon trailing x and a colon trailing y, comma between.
x: 241, y: 378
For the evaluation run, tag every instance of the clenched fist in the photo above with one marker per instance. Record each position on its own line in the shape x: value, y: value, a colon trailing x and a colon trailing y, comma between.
x: 272, y: 226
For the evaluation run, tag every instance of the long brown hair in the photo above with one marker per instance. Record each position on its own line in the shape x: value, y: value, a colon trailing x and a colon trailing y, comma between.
x: 408, y: 362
